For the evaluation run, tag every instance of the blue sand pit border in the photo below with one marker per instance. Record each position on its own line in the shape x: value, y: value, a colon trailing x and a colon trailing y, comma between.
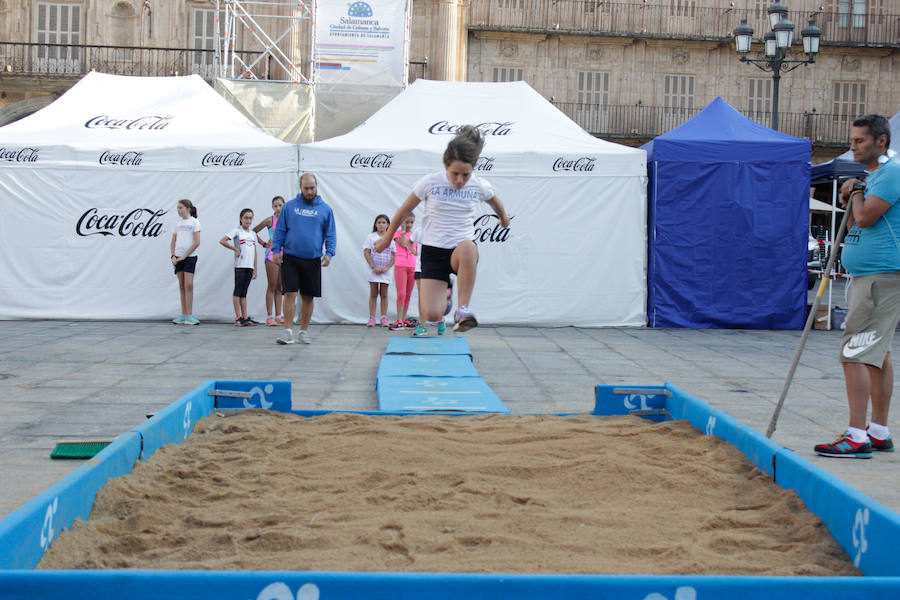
x: 864, y: 528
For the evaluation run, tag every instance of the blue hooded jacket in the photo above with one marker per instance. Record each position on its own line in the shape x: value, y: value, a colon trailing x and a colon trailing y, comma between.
x: 302, y: 229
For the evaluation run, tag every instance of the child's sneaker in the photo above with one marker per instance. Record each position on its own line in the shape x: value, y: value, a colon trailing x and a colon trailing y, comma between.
x: 286, y: 338
x: 844, y: 447
x: 384, y: 322
x: 280, y: 319
x: 271, y: 322
x: 179, y: 320
x: 421, y: 331
x: 239, y: 323
x: 442, y: 327
x: 885, y: 445
x: 249, y: 322
x: 398, y: 324
x: 407, y: 324
x: 191, y: 320
x: 464, y: 318
x: 371, y: 322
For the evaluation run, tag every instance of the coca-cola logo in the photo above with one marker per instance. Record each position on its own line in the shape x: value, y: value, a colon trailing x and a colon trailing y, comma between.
x: 228, y: 159
x: 147, y: 122
x: 26, y: 155
x: 488, y: 229
x: 583, y: 163
x: 122, y: 159
x: 140, y: 222
x: 372, y: 161
x: 486, y: 128
x: 485, y: 163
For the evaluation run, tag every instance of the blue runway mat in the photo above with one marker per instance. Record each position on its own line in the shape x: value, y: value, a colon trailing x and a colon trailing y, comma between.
x: 441, y: 394
x: 400, y: 365
x: 429, y: 345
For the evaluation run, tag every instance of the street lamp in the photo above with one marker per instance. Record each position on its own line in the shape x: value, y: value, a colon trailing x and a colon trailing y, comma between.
x: 777, y: 43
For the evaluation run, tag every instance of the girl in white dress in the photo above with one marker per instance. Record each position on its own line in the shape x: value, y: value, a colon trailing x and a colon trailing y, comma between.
x: 380, y: 263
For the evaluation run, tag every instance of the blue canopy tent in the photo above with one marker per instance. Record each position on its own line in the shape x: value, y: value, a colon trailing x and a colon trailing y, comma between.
x: 727, y: 224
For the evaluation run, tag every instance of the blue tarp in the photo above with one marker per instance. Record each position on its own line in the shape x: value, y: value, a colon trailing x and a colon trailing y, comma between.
x: 727, y: 224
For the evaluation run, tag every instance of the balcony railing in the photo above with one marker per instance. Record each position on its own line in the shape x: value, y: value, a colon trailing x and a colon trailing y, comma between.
x: 74, y: 60
x: 681, y: 19
x: 645, y: 122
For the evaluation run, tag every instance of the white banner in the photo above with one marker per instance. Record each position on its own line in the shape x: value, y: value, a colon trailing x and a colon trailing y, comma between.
x: 361, y: 42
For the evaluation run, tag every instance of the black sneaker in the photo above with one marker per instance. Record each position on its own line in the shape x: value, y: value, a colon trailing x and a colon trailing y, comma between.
x: 239, y: 323
x: 844, y: 447
x: 249, y: 322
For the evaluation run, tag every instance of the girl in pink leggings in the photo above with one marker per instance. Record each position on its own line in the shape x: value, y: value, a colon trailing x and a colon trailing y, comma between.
x: 404, y: 269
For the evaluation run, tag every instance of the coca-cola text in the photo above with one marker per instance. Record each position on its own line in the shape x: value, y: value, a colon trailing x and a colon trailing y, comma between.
x: 122, y: 159
x: 229, y: 159
x: 19, y: 155
x: 486, y: 128
x: 488, y: 229
x: 140, y: 222
x: 372, y: 161
x: 148, y: 122
x: 584, y: 163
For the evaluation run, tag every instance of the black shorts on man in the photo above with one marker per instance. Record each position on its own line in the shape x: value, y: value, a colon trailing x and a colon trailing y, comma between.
x: 303, y: 275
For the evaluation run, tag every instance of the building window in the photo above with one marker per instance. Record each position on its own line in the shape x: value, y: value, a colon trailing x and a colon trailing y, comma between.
x: 849, y: 101
x: 592, y: 101
x: 682, y: 8
x: 204, y: 38
x: 759, y: 100
x: 592, y: 88
x: 678, y: 92
x: 508, y: 74
x: 58, y: 24
x: 852, y: 13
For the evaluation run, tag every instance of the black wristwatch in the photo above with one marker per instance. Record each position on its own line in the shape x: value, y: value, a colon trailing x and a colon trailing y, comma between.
x: 859, y: 186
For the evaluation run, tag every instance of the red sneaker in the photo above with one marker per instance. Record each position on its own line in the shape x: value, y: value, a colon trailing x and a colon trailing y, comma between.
x: 885, y: 445
x: 844, y: 447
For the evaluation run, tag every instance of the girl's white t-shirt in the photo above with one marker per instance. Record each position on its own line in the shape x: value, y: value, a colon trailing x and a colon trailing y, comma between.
x: 184, y: 235
x: 450, y: 213
x: 246, y: 241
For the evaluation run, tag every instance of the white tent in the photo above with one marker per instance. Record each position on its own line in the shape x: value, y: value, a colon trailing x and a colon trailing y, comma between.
x: 575, y: 253
x: 90, y: 184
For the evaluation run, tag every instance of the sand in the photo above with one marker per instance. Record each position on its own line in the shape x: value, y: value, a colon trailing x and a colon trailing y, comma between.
x: 494, y: 493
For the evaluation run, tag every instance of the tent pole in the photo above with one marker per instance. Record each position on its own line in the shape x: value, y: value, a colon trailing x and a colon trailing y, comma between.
x: 809, y: 322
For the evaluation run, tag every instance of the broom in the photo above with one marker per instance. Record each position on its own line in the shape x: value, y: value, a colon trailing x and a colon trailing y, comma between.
x: 78, y: 449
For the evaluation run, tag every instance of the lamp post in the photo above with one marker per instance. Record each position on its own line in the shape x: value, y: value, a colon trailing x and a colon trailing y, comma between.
x: 777, y: 42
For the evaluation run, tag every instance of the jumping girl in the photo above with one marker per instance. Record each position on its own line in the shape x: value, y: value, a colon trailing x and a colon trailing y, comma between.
x: 183, y: 249
x: 380, y: 263
x: 406, y: 252
x: 273, y: 270
x: 450, y: 198
x: 242, y: 242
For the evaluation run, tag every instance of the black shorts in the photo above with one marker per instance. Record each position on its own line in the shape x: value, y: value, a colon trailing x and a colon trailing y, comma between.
x: 242, y: 278
x: 302, y: 275
x: 188, y: 265
x: 436, y: 263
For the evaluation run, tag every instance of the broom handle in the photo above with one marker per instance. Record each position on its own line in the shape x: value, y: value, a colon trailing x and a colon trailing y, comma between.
x: 811, y: 318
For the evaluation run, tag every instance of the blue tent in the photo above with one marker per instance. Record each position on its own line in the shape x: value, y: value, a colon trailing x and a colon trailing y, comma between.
x: 727, y: 224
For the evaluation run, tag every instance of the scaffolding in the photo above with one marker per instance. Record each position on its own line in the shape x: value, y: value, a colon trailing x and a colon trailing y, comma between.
x: 266, y: 25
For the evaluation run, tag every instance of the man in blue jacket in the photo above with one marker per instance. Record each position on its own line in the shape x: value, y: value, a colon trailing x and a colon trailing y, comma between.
x: 306, y: 224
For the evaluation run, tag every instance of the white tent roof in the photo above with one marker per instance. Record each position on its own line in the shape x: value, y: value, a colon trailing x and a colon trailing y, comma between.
x: 525, y: 134
x: 145, y: 124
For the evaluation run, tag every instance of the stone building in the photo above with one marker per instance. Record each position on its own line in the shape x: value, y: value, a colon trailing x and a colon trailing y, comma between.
x: 626, y: 70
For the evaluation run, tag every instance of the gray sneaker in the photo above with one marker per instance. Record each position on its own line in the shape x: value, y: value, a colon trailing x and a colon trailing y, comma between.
x: 465, y: 320
x: 286, y: 338
x: 304, y: 337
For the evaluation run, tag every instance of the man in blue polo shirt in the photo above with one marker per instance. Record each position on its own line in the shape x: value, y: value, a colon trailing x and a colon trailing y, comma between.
x: 305, y: 224
x: 871, y: 255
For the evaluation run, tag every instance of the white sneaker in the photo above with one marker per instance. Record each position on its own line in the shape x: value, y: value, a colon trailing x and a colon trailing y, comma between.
x: 304, y: 337
x: 286, y: 338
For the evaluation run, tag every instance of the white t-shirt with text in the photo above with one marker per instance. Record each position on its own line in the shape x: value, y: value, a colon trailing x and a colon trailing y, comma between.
x: 184, y: 235
x: 450, y: 213
x: 245, y: 240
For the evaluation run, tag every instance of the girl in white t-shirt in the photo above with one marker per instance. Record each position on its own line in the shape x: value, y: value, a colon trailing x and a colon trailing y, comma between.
x: 380, y: 264
x: 242, y: 241
x: 183, y: 249
x: 450, y: 197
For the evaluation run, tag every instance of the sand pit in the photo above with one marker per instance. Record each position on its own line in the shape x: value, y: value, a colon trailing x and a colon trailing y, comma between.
x: 495, y: 493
